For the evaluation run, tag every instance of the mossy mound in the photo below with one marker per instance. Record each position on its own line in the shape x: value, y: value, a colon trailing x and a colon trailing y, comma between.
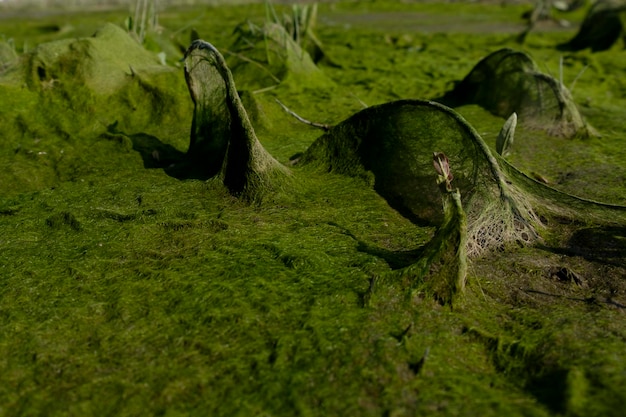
x: 508, y: 81
x: 602, y: 27
x: 266, y: 56
x: 102, y: 62
x: 67, y: 95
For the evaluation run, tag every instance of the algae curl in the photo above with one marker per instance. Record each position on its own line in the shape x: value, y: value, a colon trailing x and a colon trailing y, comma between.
x: 223, y: 140
x: 392, y: 144
x: 508, y: 81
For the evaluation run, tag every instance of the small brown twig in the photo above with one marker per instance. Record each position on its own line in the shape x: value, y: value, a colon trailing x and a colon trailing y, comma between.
x: 322, y: 126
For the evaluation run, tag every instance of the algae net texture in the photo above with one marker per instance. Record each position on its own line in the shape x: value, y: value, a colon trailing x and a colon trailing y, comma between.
x: 391, y: 146
x: 508, y: 81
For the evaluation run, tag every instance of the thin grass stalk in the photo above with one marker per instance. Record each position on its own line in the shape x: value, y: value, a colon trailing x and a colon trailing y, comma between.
x: 136, y: 18
x: 269, y: 13
x: 580, y: 73
x: 296, y: 27
x: 155, y: 14
x: 144, y: 15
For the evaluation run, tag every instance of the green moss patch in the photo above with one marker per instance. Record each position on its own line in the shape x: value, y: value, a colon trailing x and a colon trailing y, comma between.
x: 127, y: 290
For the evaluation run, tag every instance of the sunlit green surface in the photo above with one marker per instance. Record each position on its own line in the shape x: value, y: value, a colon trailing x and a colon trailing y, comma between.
x: 125, y: 291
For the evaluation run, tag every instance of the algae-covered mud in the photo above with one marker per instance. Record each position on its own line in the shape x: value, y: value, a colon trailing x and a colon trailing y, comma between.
x: 451, y: 242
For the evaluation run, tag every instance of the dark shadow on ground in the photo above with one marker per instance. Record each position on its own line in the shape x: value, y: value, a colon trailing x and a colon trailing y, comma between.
x: 157, y: 154
x: 550, y: 388
x: 592, y: 300
x: 401, y: 207
x: 395, y: 259
x: 154, y: 152
x: 597, y: 244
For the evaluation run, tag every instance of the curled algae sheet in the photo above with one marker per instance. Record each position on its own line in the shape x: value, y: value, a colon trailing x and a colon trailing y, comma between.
x: 394, y: 142
x: 391, y: 143
x: 223, y: 140
x: 496, y: 205
x: 508, y: 81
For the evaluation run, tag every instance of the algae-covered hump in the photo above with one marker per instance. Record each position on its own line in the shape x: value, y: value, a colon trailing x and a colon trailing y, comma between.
x: 103, y: 62
x: 266, y: 56
x: 106, y: 78
x: 58, y: 100
x: 508, y: 81
x: 393, y: 143
x: 602, y: 27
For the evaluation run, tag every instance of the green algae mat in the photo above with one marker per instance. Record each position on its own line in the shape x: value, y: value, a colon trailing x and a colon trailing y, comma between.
x: 432, y: 223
